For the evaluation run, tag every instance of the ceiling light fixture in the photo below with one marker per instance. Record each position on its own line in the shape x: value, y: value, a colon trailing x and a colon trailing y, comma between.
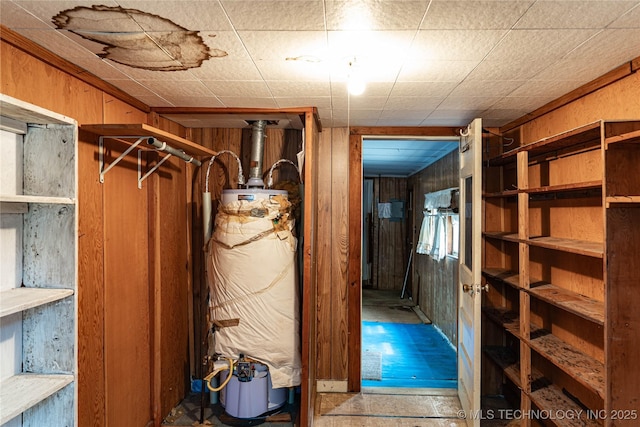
x: 355, y: 82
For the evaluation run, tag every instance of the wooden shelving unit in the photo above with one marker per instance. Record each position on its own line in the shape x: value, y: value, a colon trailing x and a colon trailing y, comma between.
x: 559, y: 261
x: 38, y: 258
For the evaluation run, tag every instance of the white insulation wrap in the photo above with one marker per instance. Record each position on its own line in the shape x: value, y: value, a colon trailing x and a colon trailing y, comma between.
x: 251, y: 269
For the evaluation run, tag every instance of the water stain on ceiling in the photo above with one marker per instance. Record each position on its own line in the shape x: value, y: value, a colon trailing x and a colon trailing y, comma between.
x: 136, y: 38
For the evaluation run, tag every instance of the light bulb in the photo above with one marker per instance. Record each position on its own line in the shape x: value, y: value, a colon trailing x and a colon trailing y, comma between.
x: 355, y: 85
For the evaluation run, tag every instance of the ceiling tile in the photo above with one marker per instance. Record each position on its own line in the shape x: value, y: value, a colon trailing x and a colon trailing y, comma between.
x: 310, y: 101
x: 12, y: 12
x: 171, y: 88
x: 280, y: 45
x: 226, y: 69
x: 199, y: 16
x: 275, y: 15
x: 468, y: 102
x: 237, y: 102
x: 131, y: 87
x: 573, y: 14
x: 418, y: 103
x: 375, y: 103
x: 226, y: 41
x: 292, y: 70
x: 193, y: 101
x: 491, y: 88
x: 611, y: 47
x: 46, y: 10
x: 280, y: 88
x: 418, y: 69
x: 373, y: 15
x: 538, y: 45
x: 498, y: 70
x: 236, y: 88
x: 631, y: 19
x: 431, y: 89
x: 551, y: 88
x: 452, y: 15
x: 453, y: 45
x: 56, y: 41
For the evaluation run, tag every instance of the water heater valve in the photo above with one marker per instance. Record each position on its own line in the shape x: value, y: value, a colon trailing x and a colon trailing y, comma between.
x: 244, y: 372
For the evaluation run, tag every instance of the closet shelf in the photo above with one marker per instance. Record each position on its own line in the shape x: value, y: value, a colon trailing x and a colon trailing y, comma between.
x: 578, y: 186
x: 546, y: 396
x: 507, y: 360
x: 143, y: 130
x: 507, y: 276
x: 19, y: 299
x: 622, y: 200
x: 20, y: 392
x: 584, y: 135
x: 506, y: 193
x: 508, y: 236
x: 504, y: 317
x: 570, y: 301
x: 4, y: 198
x: 580, y: 247
x: 584, y: 369
x: 629, y: 137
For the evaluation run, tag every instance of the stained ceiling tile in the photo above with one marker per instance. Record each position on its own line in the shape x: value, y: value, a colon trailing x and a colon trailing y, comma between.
x: 275, y: 15
x: 489, y: 15
x: 199, y: 16
x: 573, y: 14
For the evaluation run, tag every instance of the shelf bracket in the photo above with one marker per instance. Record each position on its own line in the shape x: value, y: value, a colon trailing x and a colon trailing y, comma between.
x: 104, y: 171
x: 152, y: 170
x: 158, y: 147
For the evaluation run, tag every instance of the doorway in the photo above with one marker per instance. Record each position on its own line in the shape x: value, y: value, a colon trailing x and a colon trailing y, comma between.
x: 402, y: 348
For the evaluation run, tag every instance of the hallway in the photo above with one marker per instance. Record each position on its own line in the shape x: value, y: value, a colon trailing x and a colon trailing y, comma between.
x: 386, y: 406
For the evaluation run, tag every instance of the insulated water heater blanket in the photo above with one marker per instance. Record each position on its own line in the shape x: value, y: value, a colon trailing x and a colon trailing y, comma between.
x: 252, y: 278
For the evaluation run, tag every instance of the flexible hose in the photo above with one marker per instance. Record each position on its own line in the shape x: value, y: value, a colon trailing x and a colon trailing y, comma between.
x: 209, y: 377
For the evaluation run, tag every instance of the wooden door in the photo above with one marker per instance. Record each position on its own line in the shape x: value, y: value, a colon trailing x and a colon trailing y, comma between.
x: 469, y: 297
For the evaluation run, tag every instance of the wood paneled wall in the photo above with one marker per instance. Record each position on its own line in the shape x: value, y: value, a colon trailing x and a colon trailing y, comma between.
x: 132, y: 262
x: 435, y: 282
x: 389, y: 243
x: 332, y: 255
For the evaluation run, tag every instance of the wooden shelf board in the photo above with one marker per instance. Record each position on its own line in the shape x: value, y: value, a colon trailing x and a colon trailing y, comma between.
x: 20, y: 392
x: 506, y: 193
x: 509, y: 236
x: 624, y: 200
x: 580, y: 247
x: 504, y: 275
x: 590, y: 185
x: 630, y: 137
x: 580, y: 305
x: 19, y: 299
x: 584, y: 369
x: 551, y: 398
x: 506, y: 318
x: 507, y: 360
x: 141, y: 129
x: 589, y: 133
x: 19, y: 198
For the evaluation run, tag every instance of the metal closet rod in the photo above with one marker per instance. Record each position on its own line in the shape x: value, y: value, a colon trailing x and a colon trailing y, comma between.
x: 162, y: 146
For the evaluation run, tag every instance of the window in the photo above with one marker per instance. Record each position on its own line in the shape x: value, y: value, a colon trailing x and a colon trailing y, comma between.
x: 453, y: 234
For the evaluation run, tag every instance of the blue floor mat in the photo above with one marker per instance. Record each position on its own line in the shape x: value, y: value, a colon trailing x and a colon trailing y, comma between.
x: 413, y: 355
